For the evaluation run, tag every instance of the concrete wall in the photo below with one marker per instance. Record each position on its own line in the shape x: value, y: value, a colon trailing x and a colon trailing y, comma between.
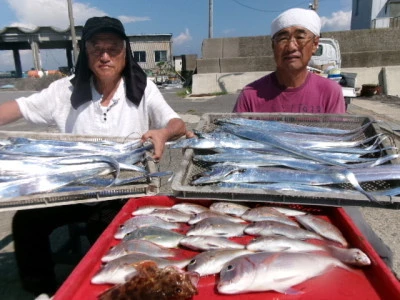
x: 366, y: 50
x: 387, y: 77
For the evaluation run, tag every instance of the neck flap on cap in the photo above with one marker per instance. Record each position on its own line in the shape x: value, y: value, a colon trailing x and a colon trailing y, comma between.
x: 135, y: 77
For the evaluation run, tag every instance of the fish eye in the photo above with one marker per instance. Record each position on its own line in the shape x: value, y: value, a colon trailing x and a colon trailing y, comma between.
x: 192, y: 262
x: 179, y: 290
x: 229, y: 268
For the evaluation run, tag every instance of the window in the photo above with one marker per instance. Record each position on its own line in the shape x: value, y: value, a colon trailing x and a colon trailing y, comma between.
x: 139, y: 56
x: 160, y: 56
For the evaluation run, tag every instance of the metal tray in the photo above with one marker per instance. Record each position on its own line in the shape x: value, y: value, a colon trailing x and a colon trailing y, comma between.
x: 188, y: 169
x: 137, y: 189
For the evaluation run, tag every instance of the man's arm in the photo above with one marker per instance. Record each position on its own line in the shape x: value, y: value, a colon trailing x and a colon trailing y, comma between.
x: 9, y: 112
x: 174, y: 130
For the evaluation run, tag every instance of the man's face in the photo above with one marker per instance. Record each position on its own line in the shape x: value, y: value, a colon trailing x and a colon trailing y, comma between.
x: 106, y: 53
x: 293, y: 48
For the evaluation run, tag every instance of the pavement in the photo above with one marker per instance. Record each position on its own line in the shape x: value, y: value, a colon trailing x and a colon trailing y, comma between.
x: 384, y: 221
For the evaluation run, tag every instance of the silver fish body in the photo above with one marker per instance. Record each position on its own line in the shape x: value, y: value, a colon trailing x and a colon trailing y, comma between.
x: 205, y: 243
x: 266, y: 213
x: 215, y: 226
x: 322, y: 227
x: 281, y: 244
x: 266, y: 271
x: 212, y: 261
x: 229, y: 208
x: 137, y: 246
x: 160, y: 236
x: 271, y: 228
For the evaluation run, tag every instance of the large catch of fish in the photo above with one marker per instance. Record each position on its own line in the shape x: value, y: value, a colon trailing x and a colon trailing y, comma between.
x: 253, y: 154
x: 33, y: 166
x: 245, y: 247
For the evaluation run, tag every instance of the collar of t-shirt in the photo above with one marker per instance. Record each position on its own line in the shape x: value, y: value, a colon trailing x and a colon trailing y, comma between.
x: 97, y: 97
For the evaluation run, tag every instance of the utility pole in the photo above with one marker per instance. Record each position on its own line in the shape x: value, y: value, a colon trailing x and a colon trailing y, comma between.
x: 210, y: 19
x: 314, y: 6
x: 72, y: 28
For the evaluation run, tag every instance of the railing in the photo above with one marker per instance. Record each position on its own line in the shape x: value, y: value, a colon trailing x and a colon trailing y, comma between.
x: 386, y: 23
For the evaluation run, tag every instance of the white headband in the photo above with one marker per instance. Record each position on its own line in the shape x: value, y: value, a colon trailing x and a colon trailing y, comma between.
x: 306, y: 18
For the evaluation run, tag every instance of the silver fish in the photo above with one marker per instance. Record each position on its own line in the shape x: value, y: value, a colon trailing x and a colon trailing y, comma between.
x: 267, y: 213
x: 271, y: 228
x: 229, y: 208
x: 281, y: 244
x: 170, y: 215
x: 146, y: 209
x: 142, y: 221
x: 208, y: 214
x: 137, y: 246
x: 189, y: 208
x: 215, y: 226
x: 119, y: 270
x: 352, y: 256
x: 322, y: 227
x: 205, y: 243
x: 265, y: 271
x: 157, y: 235
x: 212, y: 261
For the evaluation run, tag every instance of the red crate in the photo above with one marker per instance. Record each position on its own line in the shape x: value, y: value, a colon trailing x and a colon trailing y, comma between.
x: 372, y: 282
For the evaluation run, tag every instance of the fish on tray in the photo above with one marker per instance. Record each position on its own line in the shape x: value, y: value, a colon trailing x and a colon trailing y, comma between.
x: 154, y: 283
x: 272, y: 271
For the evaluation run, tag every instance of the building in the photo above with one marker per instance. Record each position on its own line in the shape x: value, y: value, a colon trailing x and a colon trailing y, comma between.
x: 150, y: 50
x: 368, y: 14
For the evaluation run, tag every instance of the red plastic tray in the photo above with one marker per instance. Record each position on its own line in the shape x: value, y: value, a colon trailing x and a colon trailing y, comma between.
x: 372, y: 282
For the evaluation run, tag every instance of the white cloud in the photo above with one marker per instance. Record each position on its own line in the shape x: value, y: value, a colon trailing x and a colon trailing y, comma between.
x: 340, y: 20
x: 182, y: 37
x: 129, y: 19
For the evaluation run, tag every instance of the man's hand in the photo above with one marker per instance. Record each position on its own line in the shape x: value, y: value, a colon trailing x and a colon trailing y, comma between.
x: 174, y: 130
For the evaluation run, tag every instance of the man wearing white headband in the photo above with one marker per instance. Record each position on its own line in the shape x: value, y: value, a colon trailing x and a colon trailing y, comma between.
x: 291, y: 88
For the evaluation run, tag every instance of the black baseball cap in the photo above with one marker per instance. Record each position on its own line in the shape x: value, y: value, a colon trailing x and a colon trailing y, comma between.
x: 102, y: 24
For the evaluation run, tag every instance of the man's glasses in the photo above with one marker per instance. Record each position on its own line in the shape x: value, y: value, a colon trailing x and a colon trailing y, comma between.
x: 112, y: 51
x: 299, y: 39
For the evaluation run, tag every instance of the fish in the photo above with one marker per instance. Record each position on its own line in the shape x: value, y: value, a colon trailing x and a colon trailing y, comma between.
x: 229, y: 208
x: 215, y: 226
x: 142, y: 221
x: 271, y: 228
x: 205, y: 243
x: 153, y: 283
x: 208, y: 214
x: 189, y: 208
x: 119, y: 270
x: 160, y: 236
x: 273, y: 271
x: 282, y: 244
x: 137, y: 246
x: 267, y: 213
x: 146, y: 209
x: 352, y: 256
x: 323, y: 228
x: 170, y: 215
x: 211, y: 261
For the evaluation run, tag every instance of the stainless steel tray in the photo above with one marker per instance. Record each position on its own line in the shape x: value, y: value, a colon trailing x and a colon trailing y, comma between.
x: 137, y: 189
x: 188, y: 169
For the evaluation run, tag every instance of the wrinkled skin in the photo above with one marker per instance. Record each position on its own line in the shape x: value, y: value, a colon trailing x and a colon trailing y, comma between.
x: 153, y: 283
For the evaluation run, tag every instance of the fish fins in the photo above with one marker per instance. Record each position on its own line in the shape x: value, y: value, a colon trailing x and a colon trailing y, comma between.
x: 289, y: 291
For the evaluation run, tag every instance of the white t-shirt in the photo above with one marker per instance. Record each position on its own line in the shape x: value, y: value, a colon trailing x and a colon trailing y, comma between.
x: 52, y: 106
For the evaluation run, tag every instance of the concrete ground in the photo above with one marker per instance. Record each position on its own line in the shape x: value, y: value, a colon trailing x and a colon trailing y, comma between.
x: 384, y: 221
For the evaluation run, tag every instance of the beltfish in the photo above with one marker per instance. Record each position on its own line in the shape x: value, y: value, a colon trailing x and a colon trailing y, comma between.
x: 265, y: 271
x: 137, y: 246
x: 211, y: 261
x: 322, y: 227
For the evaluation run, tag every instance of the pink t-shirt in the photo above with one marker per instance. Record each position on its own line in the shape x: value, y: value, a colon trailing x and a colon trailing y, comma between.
x: 316, y: 95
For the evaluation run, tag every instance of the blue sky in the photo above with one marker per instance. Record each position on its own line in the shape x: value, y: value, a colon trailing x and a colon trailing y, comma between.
x: 186, y: 20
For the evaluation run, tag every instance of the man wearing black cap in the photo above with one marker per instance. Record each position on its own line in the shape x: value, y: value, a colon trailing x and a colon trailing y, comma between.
x: 108, y: 95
